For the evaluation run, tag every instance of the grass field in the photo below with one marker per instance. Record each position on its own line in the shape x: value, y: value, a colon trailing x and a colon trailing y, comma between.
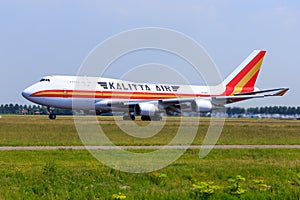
x: 70, y: 174
x: 65, y: 174
x: 39, y: 130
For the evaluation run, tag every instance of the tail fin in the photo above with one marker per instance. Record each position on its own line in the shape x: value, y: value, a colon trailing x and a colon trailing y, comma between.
x: 243, y: 78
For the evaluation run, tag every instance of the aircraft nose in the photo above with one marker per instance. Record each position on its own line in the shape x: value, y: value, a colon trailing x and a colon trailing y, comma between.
x: 26, y: 93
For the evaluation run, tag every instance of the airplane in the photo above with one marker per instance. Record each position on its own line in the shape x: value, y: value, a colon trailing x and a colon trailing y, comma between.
x: 148, y: 100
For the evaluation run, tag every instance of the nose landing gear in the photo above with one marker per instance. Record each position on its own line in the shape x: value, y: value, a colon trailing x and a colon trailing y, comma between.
x: 52, y: 115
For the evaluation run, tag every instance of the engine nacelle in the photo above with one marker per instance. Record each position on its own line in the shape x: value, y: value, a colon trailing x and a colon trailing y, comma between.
x: 145, y: 109
x: 104, y: 104
x: 108, y: 105
x: 201, y: 105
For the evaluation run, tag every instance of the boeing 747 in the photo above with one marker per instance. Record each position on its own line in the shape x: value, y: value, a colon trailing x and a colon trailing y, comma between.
x: 149, y: 100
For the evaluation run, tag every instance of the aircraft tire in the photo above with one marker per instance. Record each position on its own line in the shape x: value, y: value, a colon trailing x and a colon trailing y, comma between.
x: 156, y: 118
x: 132, y: 117
x: 52, y: 116
x: 145, y: 118
x: 129, y: 117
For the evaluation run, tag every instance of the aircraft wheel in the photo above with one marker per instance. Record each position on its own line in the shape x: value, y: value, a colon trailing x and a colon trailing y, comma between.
x: 132, y: 117
x: 128, y: 117
x: 145, y: 118
x: 156, y: 118
x: 52, y: 116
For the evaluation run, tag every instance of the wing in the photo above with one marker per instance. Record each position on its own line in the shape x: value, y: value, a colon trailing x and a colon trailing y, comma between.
x: 179, y: 105
x: 206, y: 104
x: 228, y: 99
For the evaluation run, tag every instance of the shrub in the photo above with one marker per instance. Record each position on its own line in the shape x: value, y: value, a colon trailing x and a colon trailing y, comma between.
x: 235, y: 188
x: 204, y: 190
x: 118, y: 196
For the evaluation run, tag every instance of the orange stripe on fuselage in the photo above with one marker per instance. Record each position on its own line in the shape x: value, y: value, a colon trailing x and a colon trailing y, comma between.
x: 111, y: 94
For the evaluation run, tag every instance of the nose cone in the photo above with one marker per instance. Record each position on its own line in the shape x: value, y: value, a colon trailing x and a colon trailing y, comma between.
x: 26, y: 93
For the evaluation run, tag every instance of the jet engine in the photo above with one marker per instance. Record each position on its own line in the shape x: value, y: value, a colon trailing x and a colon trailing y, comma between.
x: 108, y: 105
x: 145, y: 109
x: 201, y: 105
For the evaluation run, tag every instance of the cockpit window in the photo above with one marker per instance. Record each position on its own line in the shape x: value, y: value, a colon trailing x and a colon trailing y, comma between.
x: 45, y: 79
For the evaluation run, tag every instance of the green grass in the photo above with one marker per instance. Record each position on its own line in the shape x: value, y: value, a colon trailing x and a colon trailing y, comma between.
x: 70, y: 174
x: 39, y: 130
x: 66, y: 174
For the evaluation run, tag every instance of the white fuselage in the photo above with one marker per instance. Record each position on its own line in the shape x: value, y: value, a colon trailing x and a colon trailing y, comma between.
x: 61, y: 91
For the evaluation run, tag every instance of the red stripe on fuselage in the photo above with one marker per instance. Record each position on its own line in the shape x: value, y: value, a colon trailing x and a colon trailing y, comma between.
x: 111, y: 94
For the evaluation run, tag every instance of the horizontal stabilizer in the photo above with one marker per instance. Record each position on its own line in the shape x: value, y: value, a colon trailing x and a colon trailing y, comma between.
x: 249, y: 95
x: 265, y: 91
x: 281, y: 92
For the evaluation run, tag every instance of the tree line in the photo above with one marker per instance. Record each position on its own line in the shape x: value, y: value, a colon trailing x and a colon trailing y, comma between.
x: 282, y: 110
x: 30, y: 110
x: 37, y: 109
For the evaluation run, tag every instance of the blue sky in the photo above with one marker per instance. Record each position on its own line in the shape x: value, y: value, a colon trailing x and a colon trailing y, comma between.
x: 48, y: 37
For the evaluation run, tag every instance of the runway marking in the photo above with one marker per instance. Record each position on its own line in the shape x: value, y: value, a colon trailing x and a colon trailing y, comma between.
x: 40, y: 148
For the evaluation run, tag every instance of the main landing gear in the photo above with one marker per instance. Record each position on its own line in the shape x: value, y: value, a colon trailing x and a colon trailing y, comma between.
x: 52, y: 115
x: 129, y: 117
x: 151, y: 118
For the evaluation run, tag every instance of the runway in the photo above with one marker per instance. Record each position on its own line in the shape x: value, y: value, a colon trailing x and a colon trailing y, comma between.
x: 46, y: 148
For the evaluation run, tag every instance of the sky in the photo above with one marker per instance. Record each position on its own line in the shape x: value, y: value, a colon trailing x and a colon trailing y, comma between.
x: 48, y: 37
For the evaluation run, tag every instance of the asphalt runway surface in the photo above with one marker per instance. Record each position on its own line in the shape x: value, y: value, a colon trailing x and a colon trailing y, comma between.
x: 36, y: 148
